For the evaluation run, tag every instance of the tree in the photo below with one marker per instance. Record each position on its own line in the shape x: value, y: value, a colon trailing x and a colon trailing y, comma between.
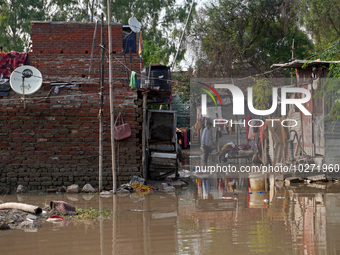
x: 16, y: 17
x: 322, y: 20
x: 15, y: 22
x: 162, y: 21
x: 182, y: 84
x: 239, y: 38
x: 161, y: 24
x: 331, y: 86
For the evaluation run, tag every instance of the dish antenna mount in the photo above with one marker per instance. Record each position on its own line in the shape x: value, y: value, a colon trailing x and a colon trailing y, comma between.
x: 26, y: 80
x: 135, y: 25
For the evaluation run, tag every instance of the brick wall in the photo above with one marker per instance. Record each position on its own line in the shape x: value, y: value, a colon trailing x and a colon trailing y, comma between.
x: 54, y: 141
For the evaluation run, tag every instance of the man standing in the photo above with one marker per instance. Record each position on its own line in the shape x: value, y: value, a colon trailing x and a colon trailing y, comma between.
x: 206, y: 142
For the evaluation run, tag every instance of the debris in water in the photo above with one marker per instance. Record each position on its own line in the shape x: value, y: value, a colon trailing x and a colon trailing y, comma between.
x: 63, y: 207
x: 55, y: 218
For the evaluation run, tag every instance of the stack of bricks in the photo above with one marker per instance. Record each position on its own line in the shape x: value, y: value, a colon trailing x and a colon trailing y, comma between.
x: 55, y: 140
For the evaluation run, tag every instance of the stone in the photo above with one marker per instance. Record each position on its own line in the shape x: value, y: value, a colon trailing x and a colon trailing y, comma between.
x: 22, y: 189
x: 74, y: 188
x: 88, y: 189
x: 4, y: 190
x: 62, y: 189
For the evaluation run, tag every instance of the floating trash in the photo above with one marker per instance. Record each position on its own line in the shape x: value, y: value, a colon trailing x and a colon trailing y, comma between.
x: 55, y: 218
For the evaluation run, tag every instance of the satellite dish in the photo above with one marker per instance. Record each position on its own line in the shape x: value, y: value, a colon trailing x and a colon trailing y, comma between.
x: 134, y: 25
x: 27, y: 75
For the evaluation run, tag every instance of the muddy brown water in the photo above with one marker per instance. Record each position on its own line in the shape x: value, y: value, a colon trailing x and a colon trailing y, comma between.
x: 213, y: 215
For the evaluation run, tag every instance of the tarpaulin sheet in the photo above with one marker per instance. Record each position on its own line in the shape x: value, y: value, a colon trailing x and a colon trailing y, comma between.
x: 9, y: 61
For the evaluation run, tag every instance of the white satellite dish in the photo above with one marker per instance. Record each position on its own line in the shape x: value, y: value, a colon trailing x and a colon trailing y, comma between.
x: 134, y: 25
x: 26, y: 80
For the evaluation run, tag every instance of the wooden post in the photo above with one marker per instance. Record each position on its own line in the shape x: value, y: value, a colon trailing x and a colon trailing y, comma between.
x: 293, y: 50
x: 144, y: 165
x: 101, y: 226
x: 101, y: 106
x: 113, y: 159
x: 115, y: 223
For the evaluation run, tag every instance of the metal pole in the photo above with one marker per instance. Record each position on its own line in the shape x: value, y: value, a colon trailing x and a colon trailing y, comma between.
x: 101, y: 106
x: 23, y: 91
x: 114, y: 177
x: 180, y: 42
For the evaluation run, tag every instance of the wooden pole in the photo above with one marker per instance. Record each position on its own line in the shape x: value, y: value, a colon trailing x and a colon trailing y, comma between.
x: 114, y: 177
x: 101, y: 106
x: 114, y: 225
x: 101, y: 226
x: 144, y: 165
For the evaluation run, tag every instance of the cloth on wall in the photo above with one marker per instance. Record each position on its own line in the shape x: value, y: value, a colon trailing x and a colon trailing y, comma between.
x: 10, y: 61
x: 133, y: 80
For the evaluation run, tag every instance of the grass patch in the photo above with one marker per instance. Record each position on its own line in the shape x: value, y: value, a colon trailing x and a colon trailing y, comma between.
x: 92, y: 214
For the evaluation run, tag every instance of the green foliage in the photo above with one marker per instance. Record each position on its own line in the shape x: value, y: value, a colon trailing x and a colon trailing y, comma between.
x: 262, y: 93
x: 154, y: 54
x: 182, y: 80
x: 162, y: 21
x: 245, y: 37
x: 331, y: 87
x: 92, y: 214
x: 161, y: 24
x: 16, y: 17
x: 322, y: 20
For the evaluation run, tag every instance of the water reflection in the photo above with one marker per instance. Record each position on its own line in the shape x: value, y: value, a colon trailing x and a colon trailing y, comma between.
x: 215, y: 215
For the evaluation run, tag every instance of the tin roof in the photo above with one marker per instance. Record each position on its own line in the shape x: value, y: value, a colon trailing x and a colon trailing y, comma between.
x: 300, y: 63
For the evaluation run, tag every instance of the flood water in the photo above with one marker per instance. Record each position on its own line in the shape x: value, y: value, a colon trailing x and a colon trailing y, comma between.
x: 213, y: 215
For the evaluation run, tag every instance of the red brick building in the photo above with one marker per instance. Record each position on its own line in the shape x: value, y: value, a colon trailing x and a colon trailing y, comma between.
x: 55, y: 140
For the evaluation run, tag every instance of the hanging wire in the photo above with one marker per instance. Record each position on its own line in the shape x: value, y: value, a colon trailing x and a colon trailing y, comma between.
x: 152, y: 78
